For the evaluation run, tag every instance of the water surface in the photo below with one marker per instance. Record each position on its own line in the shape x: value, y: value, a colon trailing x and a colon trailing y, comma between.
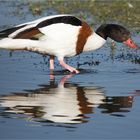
x: 101, y: 102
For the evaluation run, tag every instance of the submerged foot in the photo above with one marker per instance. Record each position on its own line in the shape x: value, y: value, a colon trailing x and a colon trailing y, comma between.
x: 70, y: 68
x: 74, y: 71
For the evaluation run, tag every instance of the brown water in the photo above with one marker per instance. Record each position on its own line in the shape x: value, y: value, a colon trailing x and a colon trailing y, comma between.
x: 101, y: 102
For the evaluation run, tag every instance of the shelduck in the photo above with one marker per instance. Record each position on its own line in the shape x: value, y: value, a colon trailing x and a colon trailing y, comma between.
x: 62, y: 36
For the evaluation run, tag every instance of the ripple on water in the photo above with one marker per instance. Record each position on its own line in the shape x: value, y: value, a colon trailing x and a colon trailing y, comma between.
x: 82, y: 71
x: 132, y: 70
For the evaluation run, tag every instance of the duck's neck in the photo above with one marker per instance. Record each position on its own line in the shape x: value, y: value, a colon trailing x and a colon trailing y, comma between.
x: 102, y: 31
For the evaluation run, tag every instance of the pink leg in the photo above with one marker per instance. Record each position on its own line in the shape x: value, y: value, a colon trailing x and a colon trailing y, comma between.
x: 66, y: 66
x: 51, y: 62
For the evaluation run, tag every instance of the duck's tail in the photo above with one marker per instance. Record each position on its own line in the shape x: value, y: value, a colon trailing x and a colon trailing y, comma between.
x: 18, y: 44
x: 5, y: 41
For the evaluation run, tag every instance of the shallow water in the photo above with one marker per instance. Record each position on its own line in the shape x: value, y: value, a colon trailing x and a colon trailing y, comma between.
x: 101, y: 102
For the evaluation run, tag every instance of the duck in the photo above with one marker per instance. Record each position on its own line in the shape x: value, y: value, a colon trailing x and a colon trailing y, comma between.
x: 62, y: 36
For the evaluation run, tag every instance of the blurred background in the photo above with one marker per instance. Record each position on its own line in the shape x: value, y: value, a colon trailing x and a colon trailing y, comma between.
x: 94, y: 11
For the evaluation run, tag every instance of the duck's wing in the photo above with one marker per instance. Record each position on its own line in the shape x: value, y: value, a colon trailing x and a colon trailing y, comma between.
x: 24, y: 31
x: 7, y: 32
x: 14, y: 31
x: 33, y: 29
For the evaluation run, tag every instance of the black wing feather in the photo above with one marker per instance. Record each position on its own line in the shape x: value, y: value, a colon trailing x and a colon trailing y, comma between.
x: 6, y: 32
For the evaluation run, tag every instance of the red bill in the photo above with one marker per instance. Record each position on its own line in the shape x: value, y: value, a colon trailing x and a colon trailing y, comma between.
x: 129, y: 42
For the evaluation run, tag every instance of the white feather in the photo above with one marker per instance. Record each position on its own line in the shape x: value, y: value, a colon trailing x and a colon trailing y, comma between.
x: 61, y: 39
x: 62, y: 44
x: 94, y: 42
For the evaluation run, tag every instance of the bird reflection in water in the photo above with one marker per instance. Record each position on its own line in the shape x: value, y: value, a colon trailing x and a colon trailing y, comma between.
x: 62, y: 102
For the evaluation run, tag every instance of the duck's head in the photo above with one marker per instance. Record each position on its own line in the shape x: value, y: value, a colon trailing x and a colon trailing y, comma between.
x: 117, y: 33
